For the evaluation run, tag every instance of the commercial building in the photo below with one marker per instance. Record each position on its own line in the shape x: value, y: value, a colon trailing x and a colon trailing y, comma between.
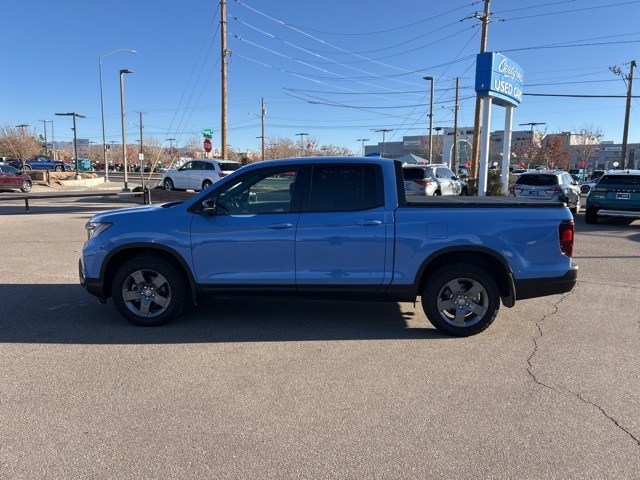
x: 559, y: 150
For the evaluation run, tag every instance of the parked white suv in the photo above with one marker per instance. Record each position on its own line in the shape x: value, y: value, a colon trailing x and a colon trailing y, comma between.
x: 432, y: 179
x: 228, y: 166
x: 193, y: 175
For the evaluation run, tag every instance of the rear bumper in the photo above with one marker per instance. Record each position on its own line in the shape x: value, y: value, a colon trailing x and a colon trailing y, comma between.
x: 604, y: 212
x: 540, y: 287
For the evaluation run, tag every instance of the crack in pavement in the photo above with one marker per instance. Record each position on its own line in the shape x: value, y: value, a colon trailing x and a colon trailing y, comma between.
x: 575, y: 394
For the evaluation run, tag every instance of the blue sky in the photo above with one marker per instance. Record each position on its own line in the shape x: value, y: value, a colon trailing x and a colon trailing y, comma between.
x: 338, y: 70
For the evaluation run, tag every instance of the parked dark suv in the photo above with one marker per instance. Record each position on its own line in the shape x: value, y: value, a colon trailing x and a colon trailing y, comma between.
x: 616, y: 195
x: 549, y: 186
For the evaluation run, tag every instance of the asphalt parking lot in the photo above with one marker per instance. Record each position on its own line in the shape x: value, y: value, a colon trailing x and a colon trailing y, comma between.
x: 282, y: 388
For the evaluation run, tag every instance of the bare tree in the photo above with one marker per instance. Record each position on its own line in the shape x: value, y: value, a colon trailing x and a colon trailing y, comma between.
x: 589, y: 145
x: 193, y: 147
x: 280, y: 148
x: 18, y: 144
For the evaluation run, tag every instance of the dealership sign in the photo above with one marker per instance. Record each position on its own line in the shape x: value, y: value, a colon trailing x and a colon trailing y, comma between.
x: 500, y: 78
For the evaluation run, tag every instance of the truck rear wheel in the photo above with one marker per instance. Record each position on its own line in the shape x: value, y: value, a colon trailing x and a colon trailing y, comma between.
x: 461, y: 299
x: 149, y: 291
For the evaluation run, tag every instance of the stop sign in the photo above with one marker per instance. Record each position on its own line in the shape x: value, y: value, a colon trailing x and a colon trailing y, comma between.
x: 207, y: 145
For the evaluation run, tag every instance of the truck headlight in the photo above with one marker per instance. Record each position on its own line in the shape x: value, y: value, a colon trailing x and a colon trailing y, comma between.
x: 96, y: 228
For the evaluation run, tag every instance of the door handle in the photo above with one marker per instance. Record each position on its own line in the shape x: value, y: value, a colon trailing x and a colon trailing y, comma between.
x: 280, y: 226
x: 369, y: 223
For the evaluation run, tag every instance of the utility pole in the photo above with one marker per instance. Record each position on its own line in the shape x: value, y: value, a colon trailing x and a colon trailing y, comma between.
x: 625, y: 133
x: 223, y: 67
x: 431, y: 79
x: 171, y: 140
x: 44, y: 124
x: 475, y: 159
x: 53, y: 143
x: 454, y: 162
x: 141, y: 155
x: 262, y: 114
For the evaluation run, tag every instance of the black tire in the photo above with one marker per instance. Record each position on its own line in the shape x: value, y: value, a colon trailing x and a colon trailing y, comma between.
x: 168, y: 184
x: 206, y: 184
x: 25, y: 168
x: 461, y: 299
x: 58, y: 168
x: 591, y: 215
x: 26, y: 186
x: 437, y: 193
x: 585, y: 189
x: 149, y: 291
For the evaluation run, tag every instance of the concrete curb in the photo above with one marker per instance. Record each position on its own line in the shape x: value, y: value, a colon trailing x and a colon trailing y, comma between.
x: 85, y: 182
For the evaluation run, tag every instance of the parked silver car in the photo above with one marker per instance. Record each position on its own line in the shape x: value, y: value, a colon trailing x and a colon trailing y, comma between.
x: 548, y: 185
x: 432, y: 179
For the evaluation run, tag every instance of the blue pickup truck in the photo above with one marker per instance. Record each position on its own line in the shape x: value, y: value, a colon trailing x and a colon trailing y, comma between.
x: 332, y: 227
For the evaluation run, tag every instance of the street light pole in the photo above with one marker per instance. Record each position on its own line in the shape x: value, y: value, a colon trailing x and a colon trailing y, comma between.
x: 104, y: 142
x: 124, y: 130
x: 302, y: 142
x: 384, y: 131
x: 532, y: 124
x: 363, y: 140
x: 75, y: 138
x: 430, y: 79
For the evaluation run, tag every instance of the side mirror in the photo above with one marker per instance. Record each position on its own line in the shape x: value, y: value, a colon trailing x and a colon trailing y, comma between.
x: 209, y: 207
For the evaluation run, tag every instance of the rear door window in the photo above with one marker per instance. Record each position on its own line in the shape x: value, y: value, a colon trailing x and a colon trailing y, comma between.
x: 413, y: 173
x: 341, y: 187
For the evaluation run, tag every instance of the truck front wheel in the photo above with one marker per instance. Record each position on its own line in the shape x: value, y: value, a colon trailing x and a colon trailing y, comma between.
x: 461, y: 299
x: 149, y: 291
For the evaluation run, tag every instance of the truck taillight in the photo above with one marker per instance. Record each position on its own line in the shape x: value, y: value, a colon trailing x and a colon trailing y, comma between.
x: 566, y: 233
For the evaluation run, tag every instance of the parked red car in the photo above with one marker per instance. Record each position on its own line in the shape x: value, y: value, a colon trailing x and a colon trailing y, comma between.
x: 11, y: 178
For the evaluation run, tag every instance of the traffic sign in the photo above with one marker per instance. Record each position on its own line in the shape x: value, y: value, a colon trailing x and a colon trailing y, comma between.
x: 207, y: 145
x: 207, y: 132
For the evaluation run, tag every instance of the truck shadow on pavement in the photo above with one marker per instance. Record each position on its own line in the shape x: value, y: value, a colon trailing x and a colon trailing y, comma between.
x: 67, y: 314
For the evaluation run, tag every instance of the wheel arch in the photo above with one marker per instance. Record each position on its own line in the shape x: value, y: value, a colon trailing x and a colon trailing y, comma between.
x: 486, y: 259
x: 119, y: 256
x: 207, y: 179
